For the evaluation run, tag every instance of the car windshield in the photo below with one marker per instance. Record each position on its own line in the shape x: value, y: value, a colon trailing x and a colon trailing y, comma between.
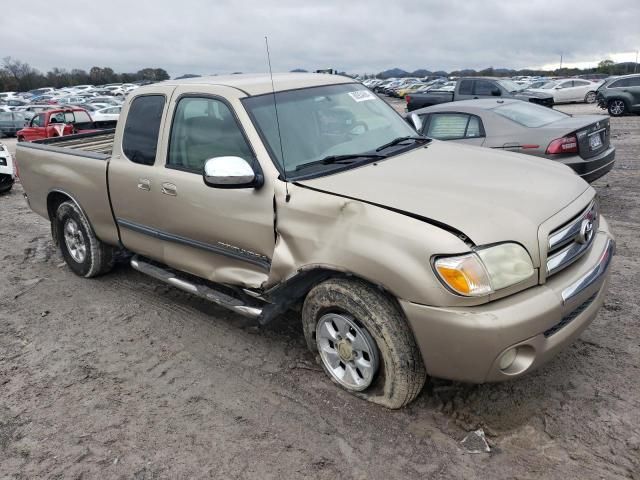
x: 529, y: 114
x: 320, y: 122
x: 511, y: 86
x: 549, y: 85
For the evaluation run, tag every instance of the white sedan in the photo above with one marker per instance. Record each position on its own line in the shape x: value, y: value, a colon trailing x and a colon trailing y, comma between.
x: 106, y: 114
x: 7, y: 169
x: 570, y: 90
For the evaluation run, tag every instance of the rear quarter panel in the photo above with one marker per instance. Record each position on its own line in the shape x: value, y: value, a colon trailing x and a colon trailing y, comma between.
x: 82, y: 178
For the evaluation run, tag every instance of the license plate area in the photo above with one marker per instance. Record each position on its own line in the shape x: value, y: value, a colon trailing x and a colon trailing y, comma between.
x: 595, y: 141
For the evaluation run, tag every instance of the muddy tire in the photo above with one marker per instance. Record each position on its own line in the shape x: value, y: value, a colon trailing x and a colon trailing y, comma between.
x: 84, y: 253
x: 375, y: 335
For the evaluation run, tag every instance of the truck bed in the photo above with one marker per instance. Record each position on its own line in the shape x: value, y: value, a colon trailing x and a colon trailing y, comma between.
x: 95, y: 142
x: 73, y: 166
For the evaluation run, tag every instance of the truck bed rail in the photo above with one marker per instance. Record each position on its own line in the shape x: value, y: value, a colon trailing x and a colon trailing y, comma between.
x: 93, y: 142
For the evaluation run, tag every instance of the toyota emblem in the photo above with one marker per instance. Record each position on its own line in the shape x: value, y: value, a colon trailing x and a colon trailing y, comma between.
x: 586, y: 231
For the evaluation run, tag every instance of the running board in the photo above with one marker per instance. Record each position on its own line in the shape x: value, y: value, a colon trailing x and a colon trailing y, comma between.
x: 203, y: 291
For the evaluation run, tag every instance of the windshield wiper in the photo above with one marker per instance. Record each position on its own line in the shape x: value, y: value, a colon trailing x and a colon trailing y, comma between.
x: 333, y: 159
x: 399, y: 140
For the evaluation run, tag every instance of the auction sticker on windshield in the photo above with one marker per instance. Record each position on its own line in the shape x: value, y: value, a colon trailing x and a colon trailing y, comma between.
x: 362, y: 95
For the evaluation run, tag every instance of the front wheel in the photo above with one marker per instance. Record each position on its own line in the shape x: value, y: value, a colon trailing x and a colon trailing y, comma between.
x: 362, y: 341
x: 82, y: 251
x: 617, y: 108
x: 590, y: 97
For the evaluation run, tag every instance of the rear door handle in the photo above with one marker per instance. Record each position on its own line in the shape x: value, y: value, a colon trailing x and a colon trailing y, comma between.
x: 169, y: 189
x: 144, y: 184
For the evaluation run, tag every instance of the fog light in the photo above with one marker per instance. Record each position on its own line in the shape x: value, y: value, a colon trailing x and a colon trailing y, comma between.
x: 507, y: 358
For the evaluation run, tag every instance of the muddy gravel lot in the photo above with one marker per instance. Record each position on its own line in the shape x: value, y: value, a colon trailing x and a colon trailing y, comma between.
x: 124, y: 377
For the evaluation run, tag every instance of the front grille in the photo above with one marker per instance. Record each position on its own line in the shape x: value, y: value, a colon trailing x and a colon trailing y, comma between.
x: 567, y: 319
x: 569, y: 242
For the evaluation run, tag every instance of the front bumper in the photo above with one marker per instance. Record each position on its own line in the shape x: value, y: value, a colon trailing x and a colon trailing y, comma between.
x: 467, y: 344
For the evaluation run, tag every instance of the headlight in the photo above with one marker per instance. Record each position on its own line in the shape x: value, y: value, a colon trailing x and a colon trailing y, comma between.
x: 485, y: 270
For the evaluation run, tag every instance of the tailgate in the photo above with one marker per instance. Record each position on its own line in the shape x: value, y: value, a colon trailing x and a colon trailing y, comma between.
x: 594, y: 138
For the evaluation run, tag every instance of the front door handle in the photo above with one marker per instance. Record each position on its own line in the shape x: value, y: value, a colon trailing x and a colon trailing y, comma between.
x: 169, y: 189
x: 144, y: 184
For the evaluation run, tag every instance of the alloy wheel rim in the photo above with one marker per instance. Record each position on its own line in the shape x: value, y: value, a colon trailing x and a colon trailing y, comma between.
x: 591, y: 97
x: 347, y: 350
x: 74, y: 240
x: 617, y: 107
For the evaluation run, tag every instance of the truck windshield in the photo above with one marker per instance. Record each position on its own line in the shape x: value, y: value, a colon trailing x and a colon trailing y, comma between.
x: 510, y: 86
x: 321, y: 122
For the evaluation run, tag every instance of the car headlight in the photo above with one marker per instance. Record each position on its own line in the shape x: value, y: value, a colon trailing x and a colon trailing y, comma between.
x: 485, y: 270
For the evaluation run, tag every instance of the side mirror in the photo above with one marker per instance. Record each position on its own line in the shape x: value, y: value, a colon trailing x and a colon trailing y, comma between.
x: 416, y: 121
x: 230, y: 172
x: 495, y: 91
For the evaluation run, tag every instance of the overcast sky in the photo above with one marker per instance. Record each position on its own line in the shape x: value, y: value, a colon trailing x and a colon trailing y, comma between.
x: 220, y: 36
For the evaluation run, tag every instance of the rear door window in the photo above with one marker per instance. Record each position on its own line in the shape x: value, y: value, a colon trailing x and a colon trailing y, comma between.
x: 140, y: 137
x: 634, y: 82
x: 452, y: 126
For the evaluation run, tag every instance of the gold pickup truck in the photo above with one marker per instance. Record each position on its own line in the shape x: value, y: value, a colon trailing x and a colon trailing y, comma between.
x: 406, y: 256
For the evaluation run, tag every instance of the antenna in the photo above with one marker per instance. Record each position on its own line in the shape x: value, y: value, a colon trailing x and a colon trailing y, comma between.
x: 275, y: 106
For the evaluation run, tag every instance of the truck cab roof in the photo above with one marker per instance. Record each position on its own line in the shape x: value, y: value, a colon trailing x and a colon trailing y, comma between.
x: 257, y: 83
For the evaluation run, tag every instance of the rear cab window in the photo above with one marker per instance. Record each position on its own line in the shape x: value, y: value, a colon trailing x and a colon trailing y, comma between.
x: 140, y: 137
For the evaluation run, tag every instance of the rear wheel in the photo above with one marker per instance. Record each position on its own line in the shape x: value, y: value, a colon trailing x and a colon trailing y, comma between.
x: 20, y: 139
x: 617, y: 108
x: 590, y: 97
x: 84, y: 253
x: 363, y: 342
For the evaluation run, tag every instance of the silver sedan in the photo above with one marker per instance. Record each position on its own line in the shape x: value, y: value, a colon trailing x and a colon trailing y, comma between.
x: 580, y: 142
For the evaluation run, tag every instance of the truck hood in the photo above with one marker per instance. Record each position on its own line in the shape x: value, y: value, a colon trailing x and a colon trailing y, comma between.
x: 490, y: 196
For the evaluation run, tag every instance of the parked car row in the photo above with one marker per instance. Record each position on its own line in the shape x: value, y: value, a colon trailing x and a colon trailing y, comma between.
x: 581, y: 142
x: 103, y: 103
x: 559, y: 90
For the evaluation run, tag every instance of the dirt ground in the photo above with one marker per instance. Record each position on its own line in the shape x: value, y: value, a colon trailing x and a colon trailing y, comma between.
x: 124, y: 377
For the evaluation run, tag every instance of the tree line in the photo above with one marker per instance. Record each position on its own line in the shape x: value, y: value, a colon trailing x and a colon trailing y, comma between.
x: 605, y: 67
x: 21, y: 77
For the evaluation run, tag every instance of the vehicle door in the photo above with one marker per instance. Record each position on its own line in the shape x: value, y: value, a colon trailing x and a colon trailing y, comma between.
x: 35, y: 130
x: 134, y: 178
x: 563, y: 91
x: 457, y: 126
x: 485, y: 89
x: 633, y: 89
x: 580, y: 89
x: 224, y: 235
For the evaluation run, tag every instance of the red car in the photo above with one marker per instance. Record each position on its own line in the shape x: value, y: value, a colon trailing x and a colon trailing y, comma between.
x: 57, y: 123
